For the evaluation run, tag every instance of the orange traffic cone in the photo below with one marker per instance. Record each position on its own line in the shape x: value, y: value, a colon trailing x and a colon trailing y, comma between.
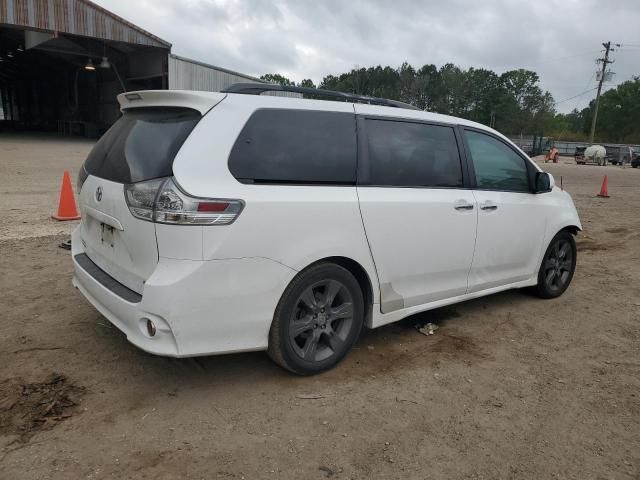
x: 604, y: 190
x: 67, y: 209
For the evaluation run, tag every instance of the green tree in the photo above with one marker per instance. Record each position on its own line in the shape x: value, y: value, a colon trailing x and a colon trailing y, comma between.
x: 619, y: 113
x: 307, y: 83
x: 427, y: 87
x: 514, y: 99
x: 276, y: 78
x: 524, y: 105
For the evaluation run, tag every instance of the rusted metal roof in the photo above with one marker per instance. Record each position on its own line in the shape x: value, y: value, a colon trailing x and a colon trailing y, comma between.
x: 76, y: 17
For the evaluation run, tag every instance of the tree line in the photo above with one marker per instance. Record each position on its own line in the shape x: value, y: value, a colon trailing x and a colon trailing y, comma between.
x: 618, y: 116
x: 512, y: 102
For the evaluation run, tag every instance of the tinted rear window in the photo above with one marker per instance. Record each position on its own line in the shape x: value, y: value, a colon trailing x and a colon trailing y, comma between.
x: 404, y: 154
x: 141, y: 145
x: 296, y: 146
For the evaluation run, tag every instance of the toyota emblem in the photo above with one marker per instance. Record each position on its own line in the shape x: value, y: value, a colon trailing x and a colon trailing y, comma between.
x: 98, y: 194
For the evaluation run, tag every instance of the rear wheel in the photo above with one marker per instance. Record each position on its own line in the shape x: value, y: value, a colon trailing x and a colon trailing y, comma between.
x: 558, y: 266
x: 317, y: 321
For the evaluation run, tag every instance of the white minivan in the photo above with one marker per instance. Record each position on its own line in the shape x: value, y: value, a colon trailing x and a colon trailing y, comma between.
x: 234, y: 221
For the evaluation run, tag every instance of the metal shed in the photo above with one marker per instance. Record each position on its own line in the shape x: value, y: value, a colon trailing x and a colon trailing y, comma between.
x: 63, y: 62
x: 187, y: 74
x: 75, y: 17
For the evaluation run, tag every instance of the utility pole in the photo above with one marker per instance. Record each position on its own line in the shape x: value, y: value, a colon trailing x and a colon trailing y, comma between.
x: 605, y: 61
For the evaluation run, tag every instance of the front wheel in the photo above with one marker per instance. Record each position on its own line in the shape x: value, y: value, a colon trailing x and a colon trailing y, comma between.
x: 317, y: 320
x: 558, y: 266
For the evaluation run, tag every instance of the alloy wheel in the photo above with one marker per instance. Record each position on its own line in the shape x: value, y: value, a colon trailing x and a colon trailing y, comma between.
x: 322, y: 320
x: 558, y: 265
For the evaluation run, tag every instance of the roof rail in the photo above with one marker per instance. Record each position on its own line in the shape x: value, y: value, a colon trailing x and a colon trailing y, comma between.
x: 258, y: 88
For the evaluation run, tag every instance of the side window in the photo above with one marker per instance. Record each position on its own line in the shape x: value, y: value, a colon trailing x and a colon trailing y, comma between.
x: 497, y: 166
x: 296, y: 146
x: 404, y: 154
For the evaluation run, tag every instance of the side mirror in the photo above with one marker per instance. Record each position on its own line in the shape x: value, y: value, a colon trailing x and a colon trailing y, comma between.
x: 544, y: 182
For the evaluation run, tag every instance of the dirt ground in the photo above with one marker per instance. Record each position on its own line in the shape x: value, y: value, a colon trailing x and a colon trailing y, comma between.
x: 31, y: 171
x: 509, y: 386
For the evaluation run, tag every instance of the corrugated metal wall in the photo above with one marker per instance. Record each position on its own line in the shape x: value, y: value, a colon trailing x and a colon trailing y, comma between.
x: 77, y: 17
x: 186, y: 74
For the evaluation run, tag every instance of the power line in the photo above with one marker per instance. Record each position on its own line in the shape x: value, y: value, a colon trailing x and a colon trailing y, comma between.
x: 586, y: 91
x: 575, y: 105
x: 544, y: 62
x: 576, y: 96
x: 572, y: 56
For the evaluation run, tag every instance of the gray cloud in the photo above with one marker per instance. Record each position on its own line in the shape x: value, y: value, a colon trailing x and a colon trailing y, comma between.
x: 304, y: 39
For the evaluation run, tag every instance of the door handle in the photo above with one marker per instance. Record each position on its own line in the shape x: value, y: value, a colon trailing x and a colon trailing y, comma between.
x: 463, y: 205
x: 488, y: 206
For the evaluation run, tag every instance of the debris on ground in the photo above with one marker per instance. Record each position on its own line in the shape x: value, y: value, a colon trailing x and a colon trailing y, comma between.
x: 310, y: 396
x: 428, y: 329
x: 66, y: 245
x: 26, y: 408
x: 327, y: 471
x: 407, y: 400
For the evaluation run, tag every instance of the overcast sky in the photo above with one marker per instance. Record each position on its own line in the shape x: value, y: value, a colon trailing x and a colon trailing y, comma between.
x: 559, y: 39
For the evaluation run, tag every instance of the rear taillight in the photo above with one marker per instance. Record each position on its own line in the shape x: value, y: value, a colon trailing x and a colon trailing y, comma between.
x: 162, y: 201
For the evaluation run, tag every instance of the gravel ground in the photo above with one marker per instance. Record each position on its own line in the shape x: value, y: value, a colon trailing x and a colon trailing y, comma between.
x: 31, y: 169
x: 509, y: 386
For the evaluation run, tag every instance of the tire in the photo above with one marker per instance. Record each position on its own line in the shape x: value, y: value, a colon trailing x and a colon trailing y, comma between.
x: 317, y: 320
x: 557, y: 267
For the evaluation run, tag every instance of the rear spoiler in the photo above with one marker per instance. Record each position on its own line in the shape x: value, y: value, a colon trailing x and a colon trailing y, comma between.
x: 200, y: 101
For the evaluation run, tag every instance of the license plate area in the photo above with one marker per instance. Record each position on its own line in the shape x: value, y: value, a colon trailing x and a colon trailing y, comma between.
x: 106, y: 234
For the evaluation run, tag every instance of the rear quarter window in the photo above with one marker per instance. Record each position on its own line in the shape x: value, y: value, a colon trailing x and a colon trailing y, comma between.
x: 141, y: 145
x: 296, y: 146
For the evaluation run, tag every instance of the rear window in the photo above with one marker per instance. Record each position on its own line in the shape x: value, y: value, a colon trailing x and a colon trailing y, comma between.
x: 404, y: 154
x: 141, y: 145
x: 296, y: 146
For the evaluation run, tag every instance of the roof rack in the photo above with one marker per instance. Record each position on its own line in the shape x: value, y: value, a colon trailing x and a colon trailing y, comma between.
x: 258, y: 88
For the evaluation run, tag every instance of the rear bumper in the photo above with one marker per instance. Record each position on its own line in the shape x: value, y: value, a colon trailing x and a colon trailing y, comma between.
x: 126, y: 316
x: 197, y: 307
